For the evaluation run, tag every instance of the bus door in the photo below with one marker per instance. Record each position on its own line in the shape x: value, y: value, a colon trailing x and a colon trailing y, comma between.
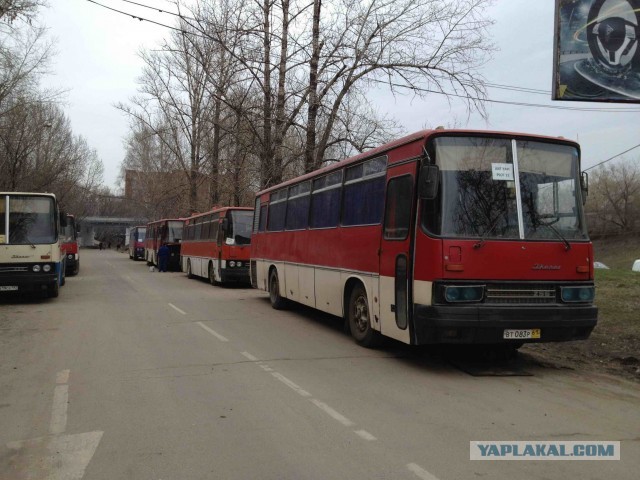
x: 396, y: 251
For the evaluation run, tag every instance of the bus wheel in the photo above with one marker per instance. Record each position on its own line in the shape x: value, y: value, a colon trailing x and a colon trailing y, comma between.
x: 277, y: 301
x: 55, y: 291
x: 189, y: 274
x: 359, y: 318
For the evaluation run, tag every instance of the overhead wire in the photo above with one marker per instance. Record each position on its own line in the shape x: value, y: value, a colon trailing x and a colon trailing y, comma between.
x: 612, y: 158
x: 411, y: 87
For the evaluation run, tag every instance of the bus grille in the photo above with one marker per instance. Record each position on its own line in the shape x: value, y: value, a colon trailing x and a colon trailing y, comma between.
x: 520, y: 294
x: 14, y: 269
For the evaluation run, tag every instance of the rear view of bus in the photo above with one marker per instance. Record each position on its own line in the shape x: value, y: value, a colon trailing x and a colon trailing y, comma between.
x: 136, y: 242
x: 70, y: 246
x: 164, y: 232
x: 31, y: 255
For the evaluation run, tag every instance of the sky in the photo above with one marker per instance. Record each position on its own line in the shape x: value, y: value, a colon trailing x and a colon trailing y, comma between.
x: 97, y: 63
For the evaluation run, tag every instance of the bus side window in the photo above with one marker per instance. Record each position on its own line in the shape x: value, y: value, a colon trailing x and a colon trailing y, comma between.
x: 277, y: 211
x: 298, y: 206
x: 263, y: 217
x: 325, y: 201
x: 363, y: 200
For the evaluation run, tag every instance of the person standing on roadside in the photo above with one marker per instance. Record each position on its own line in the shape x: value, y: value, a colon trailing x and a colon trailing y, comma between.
x: 163, y: 257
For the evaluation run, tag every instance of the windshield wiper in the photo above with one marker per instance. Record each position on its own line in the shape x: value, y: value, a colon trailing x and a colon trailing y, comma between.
x: 484, y: 236
x: 567, y: 245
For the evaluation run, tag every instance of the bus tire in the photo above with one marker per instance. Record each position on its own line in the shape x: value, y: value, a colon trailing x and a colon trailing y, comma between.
x: 189, y: 273
x: 359, y: 318
x: 55, y: 291
x: 77, y: 269
x: 63, y: 275
x: 278, y: 302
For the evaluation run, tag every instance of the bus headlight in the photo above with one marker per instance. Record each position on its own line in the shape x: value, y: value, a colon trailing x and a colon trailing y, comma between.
x: 46, y: 268
x: 232, y: 264
x: 577, y: 294
x: 457, y: 294
x: 36, y: 268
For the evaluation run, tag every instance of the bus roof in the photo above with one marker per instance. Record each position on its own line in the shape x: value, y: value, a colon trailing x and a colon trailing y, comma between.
x: 32, y: 194
x: 217, y: 210
x: 414, y: 137
x: 167, y: 220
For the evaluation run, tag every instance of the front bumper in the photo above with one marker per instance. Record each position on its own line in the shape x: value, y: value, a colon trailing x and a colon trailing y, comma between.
x: 486, y: 324
x: 235, y: 275
x: 28, y: 282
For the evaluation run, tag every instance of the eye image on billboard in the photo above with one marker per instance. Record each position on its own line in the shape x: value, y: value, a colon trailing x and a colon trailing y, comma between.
x: 597, y: 55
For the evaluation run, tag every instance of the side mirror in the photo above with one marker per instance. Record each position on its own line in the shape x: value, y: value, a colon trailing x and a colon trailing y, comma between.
x: 225, y: 225
x: 584, y: 186
x: 429, y: 181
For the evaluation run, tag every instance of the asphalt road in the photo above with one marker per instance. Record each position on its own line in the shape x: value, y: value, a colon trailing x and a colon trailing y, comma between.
x: 137, y: 375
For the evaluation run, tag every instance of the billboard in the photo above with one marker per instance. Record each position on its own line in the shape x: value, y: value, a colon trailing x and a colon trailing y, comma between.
x: 597, y: 51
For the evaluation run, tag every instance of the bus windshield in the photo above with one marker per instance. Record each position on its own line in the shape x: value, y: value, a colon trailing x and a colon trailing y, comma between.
x: 240, y: 227
x: 32, y: 220
x: 141, y: 234
x: 487, y: 191
x: 175, y: 231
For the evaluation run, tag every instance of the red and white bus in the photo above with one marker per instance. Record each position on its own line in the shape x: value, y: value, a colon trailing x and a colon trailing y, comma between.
x: 216, y: 245
x: 167, y: 231
x: 443, y: 236
x: 136, y: 242
x: 70, y: 246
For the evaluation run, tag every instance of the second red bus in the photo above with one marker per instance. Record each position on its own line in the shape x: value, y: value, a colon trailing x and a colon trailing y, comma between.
x: 216, y: 245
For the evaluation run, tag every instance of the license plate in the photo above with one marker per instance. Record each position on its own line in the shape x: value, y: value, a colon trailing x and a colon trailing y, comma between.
x: 8, y: 288
x: 521, y: 334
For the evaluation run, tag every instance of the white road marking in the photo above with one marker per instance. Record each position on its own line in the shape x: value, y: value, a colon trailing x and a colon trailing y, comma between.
x: 59, y: 412
x: 66, y: 457
x: 420, y: 472
x: 332, y: 413
x: 62, y: 377
x: 299, y: 390
x: 213, y: 332
x: 266, y: 368
x: 365, y: 435
x: 249, y: 356
x: 177, y: 309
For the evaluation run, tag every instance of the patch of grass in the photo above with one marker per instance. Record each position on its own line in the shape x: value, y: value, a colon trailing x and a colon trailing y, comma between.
x: 617, y: 252
x: 618, y: 301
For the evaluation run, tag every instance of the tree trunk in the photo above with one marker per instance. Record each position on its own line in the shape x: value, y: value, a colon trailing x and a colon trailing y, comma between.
x: 310, y: 161
x: 266, y: 154
x: 276, y: 176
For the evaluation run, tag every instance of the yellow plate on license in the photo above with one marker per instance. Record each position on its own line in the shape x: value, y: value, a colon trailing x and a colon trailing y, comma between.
x: 519, y: 334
